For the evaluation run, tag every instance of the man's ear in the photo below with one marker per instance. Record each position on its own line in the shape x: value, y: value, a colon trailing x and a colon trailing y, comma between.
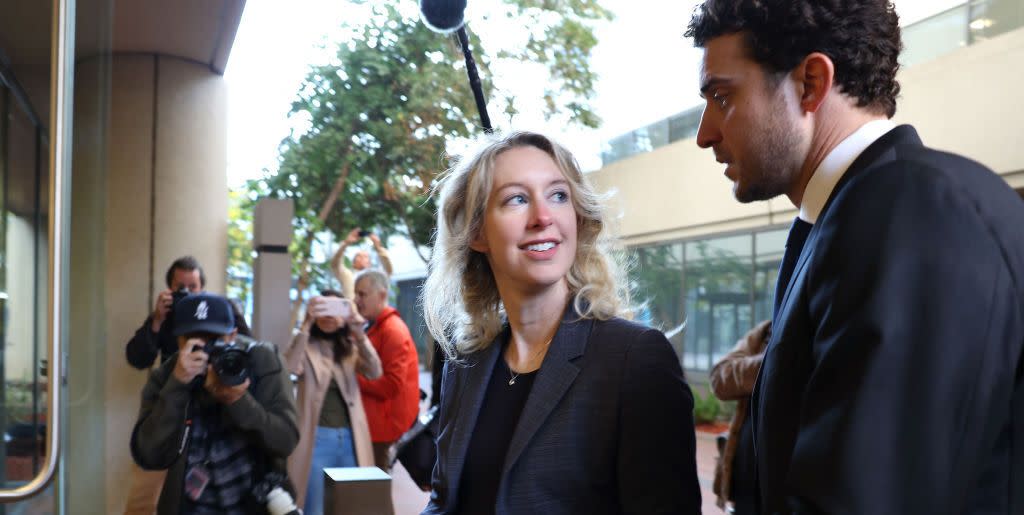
x: 814, y: 77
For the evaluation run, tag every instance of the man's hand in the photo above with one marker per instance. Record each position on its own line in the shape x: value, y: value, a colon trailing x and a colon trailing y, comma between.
x: 226, y: 395
x: 161, y: 309
x: 352, y: 237
x: 354, y: 321
x: 191, y: 362
x: 376, y: 240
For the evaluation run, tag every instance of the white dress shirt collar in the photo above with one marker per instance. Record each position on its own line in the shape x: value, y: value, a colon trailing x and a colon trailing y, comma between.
x: 835, y: 164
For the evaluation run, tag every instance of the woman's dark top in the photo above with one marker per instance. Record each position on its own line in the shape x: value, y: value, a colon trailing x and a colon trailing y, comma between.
x: 485, y: 457
x: 334, y: 413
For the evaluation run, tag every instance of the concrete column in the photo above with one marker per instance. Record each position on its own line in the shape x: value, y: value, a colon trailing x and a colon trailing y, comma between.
x: 272, y: 270
x: 149, y: 180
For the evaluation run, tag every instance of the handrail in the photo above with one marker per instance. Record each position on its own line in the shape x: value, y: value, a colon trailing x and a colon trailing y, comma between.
x: 61, y: 73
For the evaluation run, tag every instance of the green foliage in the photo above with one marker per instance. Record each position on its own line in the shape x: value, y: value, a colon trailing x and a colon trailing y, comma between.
x: 706, y: 408
x: 240, y: 251
x: 382, y: 112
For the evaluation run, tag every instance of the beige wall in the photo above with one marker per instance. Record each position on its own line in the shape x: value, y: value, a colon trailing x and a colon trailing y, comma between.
x: 150, y: 188
x: 965, y: 102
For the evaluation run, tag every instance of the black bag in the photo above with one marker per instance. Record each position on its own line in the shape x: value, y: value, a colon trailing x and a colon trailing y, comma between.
x: 417, y: 450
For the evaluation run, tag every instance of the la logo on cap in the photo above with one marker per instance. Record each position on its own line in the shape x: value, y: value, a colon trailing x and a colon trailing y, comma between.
x: 202, y: 310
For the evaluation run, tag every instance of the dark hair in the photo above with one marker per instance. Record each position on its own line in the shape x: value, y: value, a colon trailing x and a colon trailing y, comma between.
x: 188, y: 264
x: 342, y: 347
x: 240, y: 323
x: 861, y: 37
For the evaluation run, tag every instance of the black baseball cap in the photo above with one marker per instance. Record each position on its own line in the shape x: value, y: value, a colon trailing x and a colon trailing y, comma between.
x: 203, y: 313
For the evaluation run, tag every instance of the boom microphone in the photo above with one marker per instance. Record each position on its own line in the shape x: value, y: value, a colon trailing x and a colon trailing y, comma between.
x: 444, y: 16
x: 447, y: 16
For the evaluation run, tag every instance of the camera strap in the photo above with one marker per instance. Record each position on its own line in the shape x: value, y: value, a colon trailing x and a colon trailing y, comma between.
x: 188, y: 428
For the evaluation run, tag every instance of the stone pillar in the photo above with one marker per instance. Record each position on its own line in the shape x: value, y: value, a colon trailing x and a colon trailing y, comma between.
x: 272, y: 270
x: 149, y: 184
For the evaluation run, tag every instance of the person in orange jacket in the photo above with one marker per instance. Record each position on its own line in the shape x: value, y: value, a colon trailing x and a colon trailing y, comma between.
x: 392, y: 401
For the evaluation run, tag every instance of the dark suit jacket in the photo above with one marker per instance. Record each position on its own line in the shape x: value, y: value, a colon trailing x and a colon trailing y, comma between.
x: 892, y: 382
x: 606, y: 429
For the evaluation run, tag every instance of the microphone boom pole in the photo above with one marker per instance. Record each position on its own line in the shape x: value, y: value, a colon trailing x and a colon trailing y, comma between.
x: 474, y: 80
x: 445, y: 17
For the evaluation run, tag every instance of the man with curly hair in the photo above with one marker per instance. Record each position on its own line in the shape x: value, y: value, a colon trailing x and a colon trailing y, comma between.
x: 893, y: 380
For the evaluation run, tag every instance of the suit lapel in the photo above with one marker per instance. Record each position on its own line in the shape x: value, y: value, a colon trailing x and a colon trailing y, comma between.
x: 556, y: 375
x: 471, y: 398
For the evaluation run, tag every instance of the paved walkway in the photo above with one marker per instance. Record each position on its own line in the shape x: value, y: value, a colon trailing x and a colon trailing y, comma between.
x: 409, y: 500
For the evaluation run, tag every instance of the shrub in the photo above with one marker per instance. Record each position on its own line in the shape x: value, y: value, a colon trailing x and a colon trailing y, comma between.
x: 705, y: 408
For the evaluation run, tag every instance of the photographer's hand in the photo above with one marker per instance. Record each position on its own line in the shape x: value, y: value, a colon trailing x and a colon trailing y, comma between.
x: 353, y: 236
x: 376, y: 241
x: 226, y: 395
x: 191, y: 362
x: 160, y: 309
x: 354, y: 321
x: 307, y: 322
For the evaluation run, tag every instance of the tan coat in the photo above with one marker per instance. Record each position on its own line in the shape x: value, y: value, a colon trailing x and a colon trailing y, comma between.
x: 313, y: 361
x: 733, y: 378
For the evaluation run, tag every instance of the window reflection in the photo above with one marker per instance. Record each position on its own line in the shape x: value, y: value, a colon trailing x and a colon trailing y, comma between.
x: 720, y: 287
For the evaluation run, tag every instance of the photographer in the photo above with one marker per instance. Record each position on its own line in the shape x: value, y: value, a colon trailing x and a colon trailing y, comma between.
x: 154, y: 337
x: 360, y: 261
x: 218, y: 415
x: 326, y: 354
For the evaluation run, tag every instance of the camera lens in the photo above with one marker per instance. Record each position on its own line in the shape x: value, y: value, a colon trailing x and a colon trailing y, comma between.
x: 232, y: 366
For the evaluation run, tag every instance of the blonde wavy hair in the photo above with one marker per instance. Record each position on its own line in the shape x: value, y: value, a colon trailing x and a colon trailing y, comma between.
x: 461, y: 304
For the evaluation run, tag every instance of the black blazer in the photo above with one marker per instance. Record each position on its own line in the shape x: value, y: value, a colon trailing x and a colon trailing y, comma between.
x: 607, y: 427
x: 893, y: 379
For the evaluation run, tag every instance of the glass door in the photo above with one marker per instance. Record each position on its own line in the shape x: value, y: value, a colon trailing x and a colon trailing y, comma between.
x: 33, y: 52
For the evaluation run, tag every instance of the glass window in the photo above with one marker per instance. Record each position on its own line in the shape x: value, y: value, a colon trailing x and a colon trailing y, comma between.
x: 718, y: 297
x: 989, y: 18
x: 23, y: 251
x: 706, y: 294
x: 934, y: 36
x: 658, y: 273
x: 769, y: 246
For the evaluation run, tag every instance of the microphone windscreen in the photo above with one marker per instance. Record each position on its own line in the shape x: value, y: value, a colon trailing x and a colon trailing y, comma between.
x: 443, y: 16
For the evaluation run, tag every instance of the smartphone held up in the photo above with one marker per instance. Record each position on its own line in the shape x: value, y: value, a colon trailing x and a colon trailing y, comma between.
x: 330, y: 307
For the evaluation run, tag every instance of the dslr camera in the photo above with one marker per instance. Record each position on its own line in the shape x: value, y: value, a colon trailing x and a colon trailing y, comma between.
x: 229, y: 360
x: 176, y: 296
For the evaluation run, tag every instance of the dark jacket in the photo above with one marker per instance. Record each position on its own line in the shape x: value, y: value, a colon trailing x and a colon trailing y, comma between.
x: 607, y: 427
x: 893, y: 380
x: 143, y: 348
x: 266, y: 414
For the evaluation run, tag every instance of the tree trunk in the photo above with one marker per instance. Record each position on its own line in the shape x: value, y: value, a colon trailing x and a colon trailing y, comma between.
x: 325, y: 210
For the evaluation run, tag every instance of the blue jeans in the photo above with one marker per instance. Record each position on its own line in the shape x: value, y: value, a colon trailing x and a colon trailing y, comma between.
x: 333, y: 448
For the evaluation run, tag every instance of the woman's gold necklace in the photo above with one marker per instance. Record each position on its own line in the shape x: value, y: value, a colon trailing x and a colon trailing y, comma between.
x: 515, y: 375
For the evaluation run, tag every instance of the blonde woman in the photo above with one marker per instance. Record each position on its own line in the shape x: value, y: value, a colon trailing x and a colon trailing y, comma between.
x: 326, y: 354
x: 550, y: 403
